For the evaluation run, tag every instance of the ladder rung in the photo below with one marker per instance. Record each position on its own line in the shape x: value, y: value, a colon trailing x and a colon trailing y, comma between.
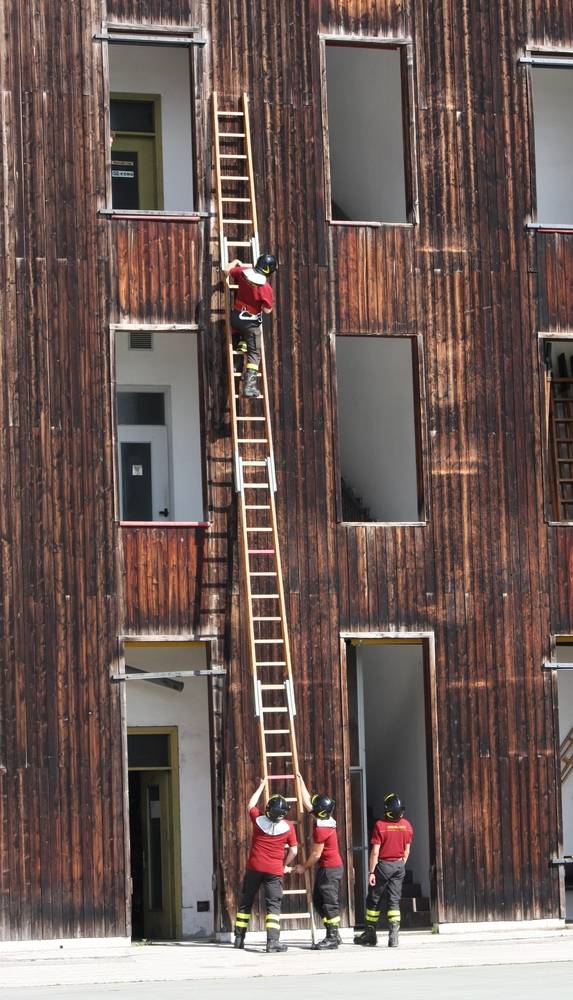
x: 264, y: 597
x: 232, y: 287
x: 259, y: 464
x: 256, y: 506
x: 267, y: 711
x: 252, y: 440
x: 272, y: 687
x: 250, y: 418
x: 231, y: 114
x: 234, y: 177
x: 262, y: 574
x: 280, y: 753
x: 237, y: 222
x: 260, y: 529
x: 266, y: 618
x: 270, y: 642
x: 294, y: 892
x: 271, y: 663
x: 275, y: 732
x: 238, y: 243
x: 260, y: 552
x: 291, y: 800
x: 280, y: 777
x: 256, y: 486
x: 237, y: 199
x: 232, y: 156
x: 231, y: 135
x: 294, y: 916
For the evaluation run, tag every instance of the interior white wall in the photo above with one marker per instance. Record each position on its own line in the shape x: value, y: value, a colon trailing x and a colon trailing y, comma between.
x: 553, y: 129
x: 151, y: 705
x: 364, y: 97
x: 163, y: 70
x: 561, y: 347
x: 395, y: 729
x: 172, y: 363
x: 376, y: 424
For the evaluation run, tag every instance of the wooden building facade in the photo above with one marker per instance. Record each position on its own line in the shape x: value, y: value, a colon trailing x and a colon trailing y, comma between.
x: 481, y: 578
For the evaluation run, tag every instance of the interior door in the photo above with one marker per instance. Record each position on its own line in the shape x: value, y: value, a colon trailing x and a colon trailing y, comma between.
x: 134, y: 172
x: 156, y: 820
x: 144, y: 473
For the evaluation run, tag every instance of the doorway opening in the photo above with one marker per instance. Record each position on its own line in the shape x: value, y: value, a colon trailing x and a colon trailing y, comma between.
x: 152, y: 763
x: 564, y: 655
x: 170, y: 792
x: 158, y: 413
x: 390, y: 713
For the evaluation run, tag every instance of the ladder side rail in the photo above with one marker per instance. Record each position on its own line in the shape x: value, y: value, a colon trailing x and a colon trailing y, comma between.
x: 251, y: 174
x: 222, y: 242
x: 557, y: 485
x: 301, y: 812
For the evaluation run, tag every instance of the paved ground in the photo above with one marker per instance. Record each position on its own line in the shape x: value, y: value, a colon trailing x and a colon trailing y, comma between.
x: 524, y: 982
x: 513, y: 965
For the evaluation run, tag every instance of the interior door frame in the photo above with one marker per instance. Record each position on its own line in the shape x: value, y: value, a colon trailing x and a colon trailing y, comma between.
x: 156, y: 135
x: 172, y: 732
x: 166, y: 390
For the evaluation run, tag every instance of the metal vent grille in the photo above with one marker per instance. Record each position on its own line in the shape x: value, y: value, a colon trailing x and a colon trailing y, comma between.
x: 140, y: 340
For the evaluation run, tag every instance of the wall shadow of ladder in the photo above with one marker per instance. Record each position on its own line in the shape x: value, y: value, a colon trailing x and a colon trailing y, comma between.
x: 256, y: 486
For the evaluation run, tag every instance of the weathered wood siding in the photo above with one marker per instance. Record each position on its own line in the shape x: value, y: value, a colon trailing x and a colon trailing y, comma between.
x: 469, y: 279
x: 62, y: 849
x: 163, y: 574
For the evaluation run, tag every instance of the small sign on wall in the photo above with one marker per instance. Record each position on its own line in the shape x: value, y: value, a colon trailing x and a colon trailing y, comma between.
x: 136, y: 470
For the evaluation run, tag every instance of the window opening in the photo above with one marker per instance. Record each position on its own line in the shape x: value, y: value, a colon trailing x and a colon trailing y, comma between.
x: 159, y: 429
x: 379, y: 429
x: 553, y: 130
x: 367, y: 144
x: 388, y: 704
x: 558, y: 356
x: 150, y: 124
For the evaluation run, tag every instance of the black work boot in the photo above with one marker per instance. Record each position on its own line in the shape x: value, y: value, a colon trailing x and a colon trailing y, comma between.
x: 330, y: 941
x: 393, y: 936
x: 250, y: 388
x: 274, y: 945
x: 239, y: 941
x: 368, y: 938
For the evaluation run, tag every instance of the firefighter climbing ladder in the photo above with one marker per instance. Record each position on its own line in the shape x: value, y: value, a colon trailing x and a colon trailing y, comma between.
x: 255, y: 483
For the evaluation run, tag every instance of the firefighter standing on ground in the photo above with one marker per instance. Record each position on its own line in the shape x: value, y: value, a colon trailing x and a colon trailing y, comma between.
x: 266, y: 865
x: 253, y: 297
x: 390, y: 848
x: 326, y: 854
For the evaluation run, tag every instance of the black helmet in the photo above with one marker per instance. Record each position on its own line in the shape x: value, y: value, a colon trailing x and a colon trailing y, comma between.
x: 277, y: 808
x: 394, y: 808
x: 266, y: 264
x: 322, y: 806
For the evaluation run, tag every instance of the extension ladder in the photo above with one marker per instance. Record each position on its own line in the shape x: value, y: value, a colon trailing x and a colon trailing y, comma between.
x: 561, y: 414
x: 255, y: 484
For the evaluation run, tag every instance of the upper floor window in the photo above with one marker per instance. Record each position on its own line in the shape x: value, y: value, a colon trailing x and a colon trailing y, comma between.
x: 553, y: 128
x: 371, y: 179
x: 150, y: 125
x: 380, y: 429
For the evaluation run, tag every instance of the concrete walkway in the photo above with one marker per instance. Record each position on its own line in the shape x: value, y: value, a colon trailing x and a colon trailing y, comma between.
x: 204, y: 962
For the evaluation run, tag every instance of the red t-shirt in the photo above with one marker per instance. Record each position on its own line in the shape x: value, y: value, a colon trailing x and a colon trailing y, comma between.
x: 267, y: 852
x: 251, y: 297
x: 325, y: 833
x: 393, y: 838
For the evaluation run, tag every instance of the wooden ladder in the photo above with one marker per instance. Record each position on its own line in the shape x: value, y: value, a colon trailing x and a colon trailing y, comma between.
x: 566, y: 755
x: 255, y: 485
x: 561, y: 431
